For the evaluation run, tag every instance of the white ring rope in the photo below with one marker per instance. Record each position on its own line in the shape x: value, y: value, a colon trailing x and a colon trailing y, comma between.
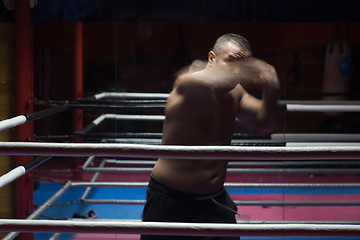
x: 98, y: 120
x: 21, y: 119
x: 12, y: 122
x: 12, y: 175
x: 194, y: 229
x: 226, y: 184
x: 322, y: 108
x: 132, y: 95
x: 315, y: 137
x: 184, y: 152
x: 21, y: 170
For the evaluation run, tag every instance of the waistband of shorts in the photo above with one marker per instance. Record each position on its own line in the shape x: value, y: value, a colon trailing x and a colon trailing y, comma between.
x: 159, y: 186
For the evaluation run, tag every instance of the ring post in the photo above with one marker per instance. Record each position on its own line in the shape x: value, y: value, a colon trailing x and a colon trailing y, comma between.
x: 24, y: 99
x: 78, y: 87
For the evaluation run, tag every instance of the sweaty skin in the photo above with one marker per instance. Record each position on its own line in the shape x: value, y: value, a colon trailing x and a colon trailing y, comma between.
x: 203, y: 109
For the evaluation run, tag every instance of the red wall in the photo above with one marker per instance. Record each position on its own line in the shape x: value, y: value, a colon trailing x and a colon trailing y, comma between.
x: 117, y: 57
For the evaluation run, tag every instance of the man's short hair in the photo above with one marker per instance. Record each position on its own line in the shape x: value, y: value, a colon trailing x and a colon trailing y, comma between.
x: 231, y: 37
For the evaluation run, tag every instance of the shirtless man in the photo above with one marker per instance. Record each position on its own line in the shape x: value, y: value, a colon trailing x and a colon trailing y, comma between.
x: 203, y: 109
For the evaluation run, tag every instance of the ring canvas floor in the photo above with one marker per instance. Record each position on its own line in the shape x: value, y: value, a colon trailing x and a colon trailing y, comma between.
x: 133, y: 212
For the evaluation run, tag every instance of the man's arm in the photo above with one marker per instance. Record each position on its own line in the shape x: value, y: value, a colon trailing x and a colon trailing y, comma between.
x: 260, y: 115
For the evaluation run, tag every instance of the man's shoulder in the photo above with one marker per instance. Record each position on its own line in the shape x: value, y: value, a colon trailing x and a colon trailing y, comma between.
x: 193, y: 86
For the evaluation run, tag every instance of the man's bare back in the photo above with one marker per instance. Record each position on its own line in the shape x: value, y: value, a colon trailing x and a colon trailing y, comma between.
x: 197, y: 114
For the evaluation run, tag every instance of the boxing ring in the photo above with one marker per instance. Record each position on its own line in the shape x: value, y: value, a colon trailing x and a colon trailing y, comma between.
x: 129, y: 154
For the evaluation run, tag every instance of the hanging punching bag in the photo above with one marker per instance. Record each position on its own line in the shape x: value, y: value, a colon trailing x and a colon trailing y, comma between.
x: 337, y: 70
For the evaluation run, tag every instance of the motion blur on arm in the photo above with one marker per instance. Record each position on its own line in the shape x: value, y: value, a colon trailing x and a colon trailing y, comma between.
x: 255, y: 81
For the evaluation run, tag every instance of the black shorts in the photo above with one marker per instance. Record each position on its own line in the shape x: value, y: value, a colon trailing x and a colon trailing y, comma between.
x: 165, y: 204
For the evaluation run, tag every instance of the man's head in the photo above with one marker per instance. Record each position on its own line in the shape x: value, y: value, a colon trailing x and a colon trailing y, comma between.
x: 228, y: 50
x: 231, y: 37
